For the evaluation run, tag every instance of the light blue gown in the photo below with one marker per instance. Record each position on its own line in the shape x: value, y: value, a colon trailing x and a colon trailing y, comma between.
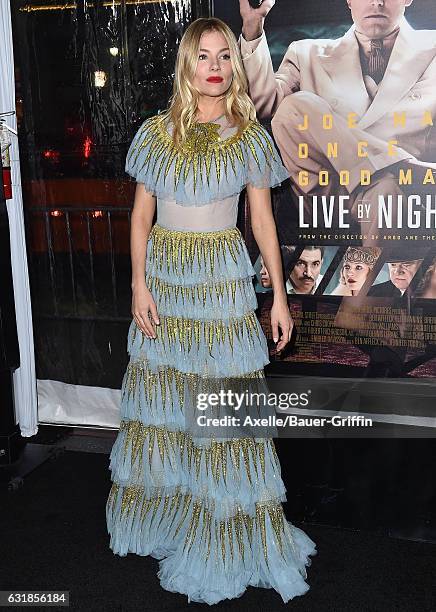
x: 209, y: 509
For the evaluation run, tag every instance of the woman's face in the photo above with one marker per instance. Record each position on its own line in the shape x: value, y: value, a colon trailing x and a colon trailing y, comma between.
x: 265, y: 280
x: 433, y: 277
x: 214, y: 71
x: 355, y: 275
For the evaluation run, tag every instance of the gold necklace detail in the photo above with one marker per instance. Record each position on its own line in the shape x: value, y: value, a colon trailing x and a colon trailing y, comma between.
x: 200, y: 136
x: 201, y: 148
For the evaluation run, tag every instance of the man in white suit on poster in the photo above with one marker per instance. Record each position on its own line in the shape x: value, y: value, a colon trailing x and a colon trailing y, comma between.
x: 376, y: 86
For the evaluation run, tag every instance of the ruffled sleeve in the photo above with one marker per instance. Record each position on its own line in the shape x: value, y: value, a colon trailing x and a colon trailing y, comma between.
x: 264, y: 165
x: 206, y: 168
x: 137, y: 155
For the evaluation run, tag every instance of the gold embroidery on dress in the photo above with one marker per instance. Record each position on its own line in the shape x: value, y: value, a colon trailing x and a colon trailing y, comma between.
x: 171, y: 293
x: 140, y: 376
x: 178, y: 248
x: 201, y: 149
x: 138, y: 437
x: 200, y: 527
x: 183, y: 331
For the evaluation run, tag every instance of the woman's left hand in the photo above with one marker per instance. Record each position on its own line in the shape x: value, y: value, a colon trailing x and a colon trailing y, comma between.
x: 281, y: 320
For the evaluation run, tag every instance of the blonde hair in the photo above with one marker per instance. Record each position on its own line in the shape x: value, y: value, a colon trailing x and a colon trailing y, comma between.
x: 239, y: 108
x: 424, y: 283
x: 359, y: 255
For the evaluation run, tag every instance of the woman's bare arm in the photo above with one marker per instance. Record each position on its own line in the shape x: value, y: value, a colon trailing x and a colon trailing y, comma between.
x: 265, y: 234
x: 141, y: 222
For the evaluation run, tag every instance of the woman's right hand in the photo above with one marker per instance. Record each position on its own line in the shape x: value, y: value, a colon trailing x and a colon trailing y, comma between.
x: 143, y: 304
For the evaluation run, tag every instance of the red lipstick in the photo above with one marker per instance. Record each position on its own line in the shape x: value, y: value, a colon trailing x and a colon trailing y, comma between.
x: 215, y: 79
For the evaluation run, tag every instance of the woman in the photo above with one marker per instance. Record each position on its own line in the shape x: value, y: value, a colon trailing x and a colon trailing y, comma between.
x: 356, y: 265
x: 287, y: 254
x: 427, y: 286
x: 209, y: 510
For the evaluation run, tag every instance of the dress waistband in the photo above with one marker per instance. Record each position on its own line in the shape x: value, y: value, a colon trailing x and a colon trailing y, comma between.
x: 182, y: 248
x: 229, y: 232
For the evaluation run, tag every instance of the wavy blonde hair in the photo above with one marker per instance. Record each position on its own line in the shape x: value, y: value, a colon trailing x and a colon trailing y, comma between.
x: 239, y: 108
x: 369, y: 256
x: 424, y: 283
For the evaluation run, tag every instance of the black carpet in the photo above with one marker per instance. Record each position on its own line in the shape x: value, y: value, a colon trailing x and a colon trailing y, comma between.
x: 53, y: 537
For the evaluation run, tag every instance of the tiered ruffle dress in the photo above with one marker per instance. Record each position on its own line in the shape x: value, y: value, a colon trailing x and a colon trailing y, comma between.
x: 209, y: 509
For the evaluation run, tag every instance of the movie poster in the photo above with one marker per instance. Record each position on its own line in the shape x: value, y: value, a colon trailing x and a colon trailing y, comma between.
x: 350, y: 99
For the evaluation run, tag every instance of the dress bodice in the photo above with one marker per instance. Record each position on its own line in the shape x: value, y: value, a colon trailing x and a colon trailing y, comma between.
x: 218, y: 214
x: 197, y: 185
